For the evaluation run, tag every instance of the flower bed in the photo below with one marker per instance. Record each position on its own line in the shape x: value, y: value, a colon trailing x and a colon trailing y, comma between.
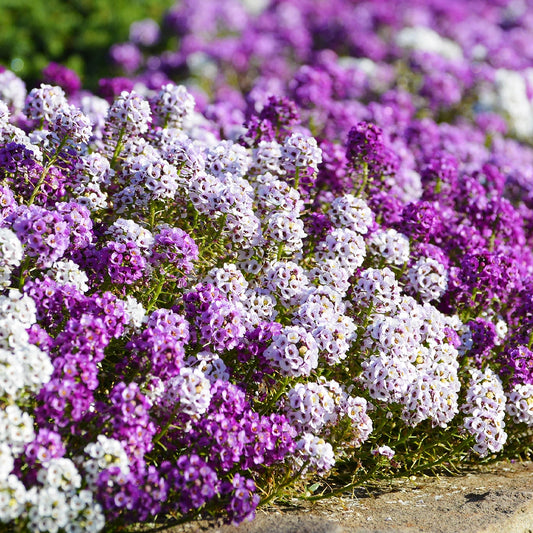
x: 320, y: 267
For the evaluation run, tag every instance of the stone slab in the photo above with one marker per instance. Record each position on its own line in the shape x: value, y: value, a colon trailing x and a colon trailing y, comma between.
x: 491, y: 499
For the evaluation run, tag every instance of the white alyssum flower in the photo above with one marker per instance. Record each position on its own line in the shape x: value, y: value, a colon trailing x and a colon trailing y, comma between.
x: 485, y: 409
x: 277, y: 195
x: 190, y: 389
x: 294, y: 352
x: 18, y: 306
x: 519, y: 405
x: 287, y: 281
x: 102, y: 454
x: 13, y: 498
x: 316, y: 451
x: 213, y: 367
x: 227, y: 157
x: 428, y: 40
x: 69, y: 272
x: 356, y: 409
x: 501, y: 330
x: 12, y: 91
x: 135, y: 311
x: 378, y: 288
x: 266, y: 158
x: 329, y: 273
x: 60, y: 473
x: 45, y: 102
x: 343, y: 246
x: 16, y: 428
x: 13, y: 334
x: 172, y: 105
x: 508, y: 95
x: 126, y: 230
x: 391, y: 245
x: 284, y: 229
x: 10, y: 248
x: 49, y: 509
x: 385, y: 451
x: 258, y: 306
x: 323, y: 314
x: 25, y: 368
x: 351, y: 212
x: 229, y: 280
x: 6, y: 462
x: 310, y: 407
x: 299, y: 151
x: 428, y: 278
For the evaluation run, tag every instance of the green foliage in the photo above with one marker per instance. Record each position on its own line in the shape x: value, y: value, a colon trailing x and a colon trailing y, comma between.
x: 75, y: 33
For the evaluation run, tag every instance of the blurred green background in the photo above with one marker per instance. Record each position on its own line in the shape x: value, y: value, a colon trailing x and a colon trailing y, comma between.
x: 74, y: 33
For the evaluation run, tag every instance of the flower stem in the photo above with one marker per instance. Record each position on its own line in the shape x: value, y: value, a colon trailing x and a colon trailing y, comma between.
x: 156, y: 294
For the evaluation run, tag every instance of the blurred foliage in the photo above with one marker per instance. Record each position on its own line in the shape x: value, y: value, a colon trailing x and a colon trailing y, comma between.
x: 75, y: 33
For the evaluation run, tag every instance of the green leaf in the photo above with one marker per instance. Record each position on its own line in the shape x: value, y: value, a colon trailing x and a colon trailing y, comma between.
x: 313, y: 487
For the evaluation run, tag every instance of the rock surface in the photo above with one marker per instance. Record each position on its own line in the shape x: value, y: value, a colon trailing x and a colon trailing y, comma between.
x: 491, y: 499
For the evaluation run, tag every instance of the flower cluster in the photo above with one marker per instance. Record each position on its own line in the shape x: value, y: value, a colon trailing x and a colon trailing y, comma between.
x: 302, y: 242
x: 485, y: 407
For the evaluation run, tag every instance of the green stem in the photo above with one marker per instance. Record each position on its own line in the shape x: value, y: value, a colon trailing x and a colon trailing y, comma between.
x: 221, y: 227
x: 38, y: 186
x: 402, y: 271
x: 297, y: 178
x: 194, y: 218
x: 366, y: 317
x: 454, y: 451
x: 118, y: 148
x: 156, y: 294
x: 45, y: 171
x: 166, y: 427
x: 189, y: 517
x: 23, y: 267
x: 365, y: 180
x: 276, y: 397
x: 280, y: 251
x: 287, y: 480
x: 152, y: 215
x: 382, y: 421
x: 493, y: 236
x: 342, y: 490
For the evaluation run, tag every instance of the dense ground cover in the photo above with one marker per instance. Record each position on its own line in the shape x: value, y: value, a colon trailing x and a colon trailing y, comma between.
x: 309, y: 257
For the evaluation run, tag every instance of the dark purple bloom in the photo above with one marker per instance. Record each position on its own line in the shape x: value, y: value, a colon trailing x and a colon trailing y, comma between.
x: 420, y: 221
x: 125, y: 262
x: 440, y: 177
x: 517, y: 365
x: 282, y: 113
x: 367, y: 151
x: 333, y: 176
x: 67, y: 79
x: 174, y: 252
x: 218, y: 321
x: 258, y: 130
x: 44, y: 233
x: 112, y: 87
x: 483, y: 340
x: 243, y: 499
x: 160, y: 348
x: 194, y: 481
